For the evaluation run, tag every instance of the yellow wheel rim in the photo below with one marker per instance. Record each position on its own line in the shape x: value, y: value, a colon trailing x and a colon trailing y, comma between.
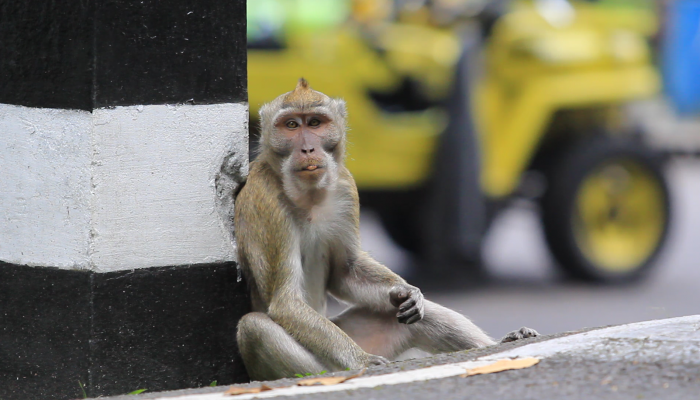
x: 619, y: 216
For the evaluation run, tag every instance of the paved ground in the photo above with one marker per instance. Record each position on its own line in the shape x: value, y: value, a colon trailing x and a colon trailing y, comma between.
x: 649, y: 360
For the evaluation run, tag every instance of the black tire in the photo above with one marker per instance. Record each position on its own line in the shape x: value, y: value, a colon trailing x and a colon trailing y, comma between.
x: 564, y: 222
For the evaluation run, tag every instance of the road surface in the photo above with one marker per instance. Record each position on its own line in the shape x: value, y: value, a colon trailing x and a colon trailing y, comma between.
x: 649, y: 360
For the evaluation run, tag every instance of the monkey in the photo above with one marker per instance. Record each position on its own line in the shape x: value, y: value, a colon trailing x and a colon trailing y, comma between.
x: 297, y: 230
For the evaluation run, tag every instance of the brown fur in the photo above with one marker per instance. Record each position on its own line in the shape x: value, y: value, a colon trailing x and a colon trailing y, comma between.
x: 298, y: 240
x: 303, y: 97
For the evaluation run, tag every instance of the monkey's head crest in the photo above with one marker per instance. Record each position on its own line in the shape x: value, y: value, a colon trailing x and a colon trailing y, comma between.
x: 303, y: 96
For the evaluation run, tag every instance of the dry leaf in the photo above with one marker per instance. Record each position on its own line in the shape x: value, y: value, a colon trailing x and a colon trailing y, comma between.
x: 329, y: 380
x: 502, y: 365
x: 241, y: 390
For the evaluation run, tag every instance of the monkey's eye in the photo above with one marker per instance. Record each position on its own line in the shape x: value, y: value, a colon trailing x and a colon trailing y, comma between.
x: 315, y: 122
x: 292, y: 124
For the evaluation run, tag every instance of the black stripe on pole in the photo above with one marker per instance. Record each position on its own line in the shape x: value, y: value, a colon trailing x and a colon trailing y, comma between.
x: 90, y: 53
x: 46, y: 53
x: 153, y: 328
x: 154, y: 52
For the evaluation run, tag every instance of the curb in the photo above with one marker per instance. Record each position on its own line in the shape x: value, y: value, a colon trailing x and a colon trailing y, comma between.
x: 668, y: 339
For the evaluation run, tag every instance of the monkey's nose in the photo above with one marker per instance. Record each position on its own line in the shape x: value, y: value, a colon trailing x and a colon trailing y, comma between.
x: 306, y: 150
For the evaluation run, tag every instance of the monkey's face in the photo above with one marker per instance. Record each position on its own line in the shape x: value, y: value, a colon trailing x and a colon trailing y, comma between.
x: 303, y: 134
x: 308, y: 142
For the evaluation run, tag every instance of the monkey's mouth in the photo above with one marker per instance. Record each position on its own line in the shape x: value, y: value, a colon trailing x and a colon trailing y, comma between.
x: 311, y: 168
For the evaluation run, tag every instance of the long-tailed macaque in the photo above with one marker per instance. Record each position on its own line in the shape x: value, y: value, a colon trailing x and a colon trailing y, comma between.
x: 297, y: 229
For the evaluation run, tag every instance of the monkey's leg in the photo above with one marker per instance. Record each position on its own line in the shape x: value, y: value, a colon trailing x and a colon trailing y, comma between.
x: 440, y: 331
x: 269, y: 352
x: 375, y: 332
x: 443, y: 330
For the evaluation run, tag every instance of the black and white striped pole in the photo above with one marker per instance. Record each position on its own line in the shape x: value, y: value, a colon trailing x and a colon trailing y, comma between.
x: 123, y: 132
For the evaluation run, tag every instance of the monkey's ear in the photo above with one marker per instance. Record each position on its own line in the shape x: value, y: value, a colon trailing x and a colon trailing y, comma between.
x: 338, y: 107
x: 267, y: 115
x: 264, y: 113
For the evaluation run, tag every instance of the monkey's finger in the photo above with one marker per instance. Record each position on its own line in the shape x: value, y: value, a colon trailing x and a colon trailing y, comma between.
x: 414, y: 318
x: 402, y: 316
x: 410, y: 303
x: 408, y: 314
x: 397, y: 298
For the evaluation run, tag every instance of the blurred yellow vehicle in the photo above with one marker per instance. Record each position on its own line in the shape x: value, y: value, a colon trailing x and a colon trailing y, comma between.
x: 457, y: 107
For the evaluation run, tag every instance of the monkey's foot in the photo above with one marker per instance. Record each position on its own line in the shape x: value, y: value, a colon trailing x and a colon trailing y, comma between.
x: 374, y: 360
x: 522, y: 333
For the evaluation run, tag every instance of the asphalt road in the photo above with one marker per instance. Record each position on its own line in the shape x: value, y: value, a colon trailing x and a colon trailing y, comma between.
x: 527, y: 289
x: 649, y: 360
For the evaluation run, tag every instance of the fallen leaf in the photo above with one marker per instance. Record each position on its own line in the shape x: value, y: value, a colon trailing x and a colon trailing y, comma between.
x: 502, y: 365
x: 328, y: 380
x: 234, y: 391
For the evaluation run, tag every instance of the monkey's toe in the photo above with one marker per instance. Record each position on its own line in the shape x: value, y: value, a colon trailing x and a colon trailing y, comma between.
x: 528, y: 332
x: 376, y: 360
x: 522, y: 333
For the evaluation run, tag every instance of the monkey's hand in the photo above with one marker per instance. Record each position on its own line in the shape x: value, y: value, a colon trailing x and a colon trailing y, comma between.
x: 409, y: 301
x: 374, y: 360
x: 522, y: 333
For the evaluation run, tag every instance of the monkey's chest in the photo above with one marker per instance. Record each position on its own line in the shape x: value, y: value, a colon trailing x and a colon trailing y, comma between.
x: 315, y: 266
x: 321, y: 241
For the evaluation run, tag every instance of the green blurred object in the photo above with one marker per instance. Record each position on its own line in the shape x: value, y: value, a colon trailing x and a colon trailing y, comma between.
x: 641, y: 4
x: 455, y: 105
x: 277, y: 18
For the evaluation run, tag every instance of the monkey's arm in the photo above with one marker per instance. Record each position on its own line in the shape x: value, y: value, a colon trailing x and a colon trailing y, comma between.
x: 319, y: 335
x: 315, y: 332
x: 363, y: 281
x: 269, y: 255
x: 359, y: 279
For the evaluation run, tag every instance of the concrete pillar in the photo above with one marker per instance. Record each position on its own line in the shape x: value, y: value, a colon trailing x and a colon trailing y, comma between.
x: 123, y: 134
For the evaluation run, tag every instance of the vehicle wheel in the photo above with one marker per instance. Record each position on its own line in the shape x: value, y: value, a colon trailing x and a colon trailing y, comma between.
x: 606, y: 211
